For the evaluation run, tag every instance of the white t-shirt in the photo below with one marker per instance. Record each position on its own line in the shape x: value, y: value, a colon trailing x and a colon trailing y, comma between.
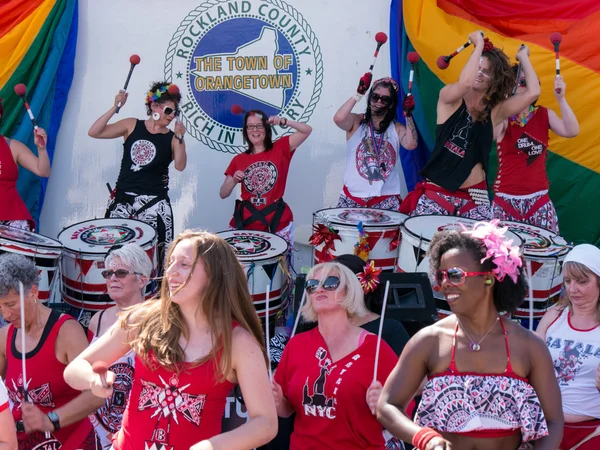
x: 3, y: 396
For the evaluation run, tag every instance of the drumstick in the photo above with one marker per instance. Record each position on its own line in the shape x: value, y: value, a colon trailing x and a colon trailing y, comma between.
x: 21, y: 91
x: 23, y: 351
x: 134, y: 60
x: 556, y: 39
x: 518, y: 82
x: 413, y: 58
x: 385, y: 297
x: 100, y: 367
x: 444, y: 61
x: 267, y: 334
x: 381, y: 38
x: 529, y: 275
x: 298, y: 314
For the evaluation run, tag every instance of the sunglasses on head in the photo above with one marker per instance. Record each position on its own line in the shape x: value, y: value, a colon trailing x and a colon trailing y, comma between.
x: 331, y: 283
x: 385, y: 99
x: 119, y: 273
x: 167, y: 110
x: 455, y: 276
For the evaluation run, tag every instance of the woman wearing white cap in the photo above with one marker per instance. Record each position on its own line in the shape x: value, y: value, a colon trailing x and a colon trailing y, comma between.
x: 572, y: 333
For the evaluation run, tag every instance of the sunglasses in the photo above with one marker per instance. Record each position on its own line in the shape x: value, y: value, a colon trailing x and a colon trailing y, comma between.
x: 167, y: 110
x: 258, y: 126
x: 485, y: 73
x: 331, y: 283
x: 455, y: 276
x: 385, y: 99
x: 119, y: 273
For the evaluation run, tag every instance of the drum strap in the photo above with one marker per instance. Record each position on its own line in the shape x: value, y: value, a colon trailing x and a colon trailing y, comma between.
x: 510, y: 209
x: 452, y: 210
x: 122, y: 197
x: 258, y: 215
x: 368, y: 203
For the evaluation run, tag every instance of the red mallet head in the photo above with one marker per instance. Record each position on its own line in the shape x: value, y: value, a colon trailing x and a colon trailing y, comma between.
x: 20, y: 90
x: 135, y: 59
x: 381, y: 37
x: 100, y: 367
x: 413, y: 57
x: 173, y: 89
x: 237, y: 110
x: 442, y: 62
x: 556, y: 39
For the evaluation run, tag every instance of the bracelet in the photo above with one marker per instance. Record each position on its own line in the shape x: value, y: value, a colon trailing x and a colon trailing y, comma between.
x: 423, y: 436
x: 358, y: 97
x: 282, y: 123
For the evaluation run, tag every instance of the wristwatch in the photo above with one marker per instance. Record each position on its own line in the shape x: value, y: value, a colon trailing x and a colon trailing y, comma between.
x: 54, y: 419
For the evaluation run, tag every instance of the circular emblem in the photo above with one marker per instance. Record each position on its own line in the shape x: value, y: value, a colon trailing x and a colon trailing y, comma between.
x: 375, y: 166
x: 260, y: 177
x: 257, y: 54
x: 142, y: 154
x: 108, y: 235
x: 110, y: 414
x: 366, y: 217
x: 248, y: 245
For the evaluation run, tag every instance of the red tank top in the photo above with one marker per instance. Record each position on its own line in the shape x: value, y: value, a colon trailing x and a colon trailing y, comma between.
x: 46, y: 387
x: 522, y: 156
x: 173, y: 411
x: 12, y: 206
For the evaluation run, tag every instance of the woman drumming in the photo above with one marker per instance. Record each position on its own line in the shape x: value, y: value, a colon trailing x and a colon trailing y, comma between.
x: 467, y: 112
x: 191, y: 346
x: 373, y: 176
x: 127, y: 271
x: 53, y: 414
x: 490, y: 381
x: 263, y: 171
x: 325, y: 375
x: 13, y: 154
x: 572, y: 333
x: 142, y: 190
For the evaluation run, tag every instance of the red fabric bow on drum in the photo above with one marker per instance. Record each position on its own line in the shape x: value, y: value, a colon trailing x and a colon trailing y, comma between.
x: 324, y: 235
x: 369, y: 277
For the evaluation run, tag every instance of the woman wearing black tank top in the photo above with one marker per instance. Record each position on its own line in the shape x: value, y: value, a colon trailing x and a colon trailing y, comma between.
x: 148, y: 150
x: 467, y: 111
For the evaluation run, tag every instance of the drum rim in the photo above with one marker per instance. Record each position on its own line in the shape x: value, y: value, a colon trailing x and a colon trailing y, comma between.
x: 89, y: 252
x: 58, y: 245
x: 534, y: 256
x: 264, y: 258
x: 390, y: 225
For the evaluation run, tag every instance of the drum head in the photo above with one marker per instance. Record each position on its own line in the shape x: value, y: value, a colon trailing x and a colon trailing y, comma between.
x: 28, y: 238
x: 99, y: 235
x: 352, y: 216
x: 250, y: 245
x: 538, y: 242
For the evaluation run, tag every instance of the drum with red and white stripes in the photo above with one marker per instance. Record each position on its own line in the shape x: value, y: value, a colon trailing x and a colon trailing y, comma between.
x: 264, y: 259
x: 86, y: 245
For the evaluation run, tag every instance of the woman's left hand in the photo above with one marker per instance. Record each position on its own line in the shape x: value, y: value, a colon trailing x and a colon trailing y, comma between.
x: 202, y: 445
x: 275, y: 120
x: 34, y: 419
x: 373, y: 394
x: 40, y: 138
x: 179, y: 129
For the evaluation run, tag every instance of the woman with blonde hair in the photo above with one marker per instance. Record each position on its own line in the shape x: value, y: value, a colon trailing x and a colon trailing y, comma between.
x: 326, y: 374
x: 192, y: 345
x: 572, y: 334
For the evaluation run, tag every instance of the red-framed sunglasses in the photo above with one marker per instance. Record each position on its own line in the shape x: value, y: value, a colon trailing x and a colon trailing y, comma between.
x: 455, y: 276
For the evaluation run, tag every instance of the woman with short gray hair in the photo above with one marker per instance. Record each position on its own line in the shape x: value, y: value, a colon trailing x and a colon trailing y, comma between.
x: 54, y: 414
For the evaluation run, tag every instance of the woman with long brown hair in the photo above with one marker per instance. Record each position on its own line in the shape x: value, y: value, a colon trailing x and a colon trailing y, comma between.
x: 192, y: 345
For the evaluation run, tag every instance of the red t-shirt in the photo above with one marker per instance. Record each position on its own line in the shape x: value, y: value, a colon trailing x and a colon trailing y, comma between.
x: 329, y: 398
x: 522, y: 154
x: 264, y: 182
x: 12, y: 206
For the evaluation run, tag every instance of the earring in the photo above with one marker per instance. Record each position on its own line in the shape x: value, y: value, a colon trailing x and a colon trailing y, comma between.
x: 155, y: 115
x: 488, y: 281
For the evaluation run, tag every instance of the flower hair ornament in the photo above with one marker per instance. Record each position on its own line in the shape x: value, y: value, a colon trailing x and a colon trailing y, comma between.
x: 369, y: 277
x: 153, y: 96
x: 499, y: 249
x: 488, y: 46
x: 386, y: 80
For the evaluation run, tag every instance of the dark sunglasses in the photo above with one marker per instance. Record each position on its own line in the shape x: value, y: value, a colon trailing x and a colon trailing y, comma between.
x: 455, y: 276
x: 168, y: 111
x: 119, y: 273
x: 331, y: 283
x: 385, y: 99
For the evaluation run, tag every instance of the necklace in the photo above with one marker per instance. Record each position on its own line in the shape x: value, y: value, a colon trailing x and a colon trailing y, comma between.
x: 476, y: 346
x: 523, y: 118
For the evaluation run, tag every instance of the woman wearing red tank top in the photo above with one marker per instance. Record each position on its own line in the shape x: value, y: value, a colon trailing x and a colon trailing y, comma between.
x: 490, y: 381
x: 191, y: 345
x: 55, y: 415
x: 13, y: 154
x: 572, y: 333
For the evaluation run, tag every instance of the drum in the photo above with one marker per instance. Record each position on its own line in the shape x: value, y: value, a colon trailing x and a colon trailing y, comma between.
x: 381, y: 226
x: 86, y: 245
x: 417, y: 233
x: 264, y: 259
x: 545, y: 251
x: 45, y: 252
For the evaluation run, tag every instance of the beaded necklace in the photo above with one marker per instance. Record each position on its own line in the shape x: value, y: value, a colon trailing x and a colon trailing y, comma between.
x: 523, y: 118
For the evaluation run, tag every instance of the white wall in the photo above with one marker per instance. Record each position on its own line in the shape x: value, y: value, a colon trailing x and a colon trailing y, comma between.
x: 110, y: 31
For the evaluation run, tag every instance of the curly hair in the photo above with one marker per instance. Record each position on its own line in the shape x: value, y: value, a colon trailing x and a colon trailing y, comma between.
x: 506, y: 294
x: 502, y: 80
x: 390, y: 116
x: 16, y: 268
x: 175, y: 98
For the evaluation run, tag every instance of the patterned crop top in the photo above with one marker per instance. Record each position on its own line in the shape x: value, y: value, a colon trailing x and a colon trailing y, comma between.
x: 481, y: 405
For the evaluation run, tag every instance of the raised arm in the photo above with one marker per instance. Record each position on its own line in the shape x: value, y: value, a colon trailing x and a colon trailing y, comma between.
x: 568, y: 126
x: 178, y: 147
x: 408, y: 134
x: 518, y: 102
x: 303, y: 130
x: 344, y: 118
x: 102, y: 130
x: 39, y: 165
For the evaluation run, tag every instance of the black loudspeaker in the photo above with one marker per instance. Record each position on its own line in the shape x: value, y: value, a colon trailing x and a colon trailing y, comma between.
x: 410, y: 298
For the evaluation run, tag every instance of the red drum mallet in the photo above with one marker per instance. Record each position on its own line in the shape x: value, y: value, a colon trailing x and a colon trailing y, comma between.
x: 134, y: 60
x: 21, y: 91
x: 101, y: 368
x: 444, y: 61
x: 413, y: 58
x: 556, y: 39
x: 381, y: 38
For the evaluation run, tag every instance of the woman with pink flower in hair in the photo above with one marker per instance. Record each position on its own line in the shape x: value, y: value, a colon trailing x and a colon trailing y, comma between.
x: 491, y: 382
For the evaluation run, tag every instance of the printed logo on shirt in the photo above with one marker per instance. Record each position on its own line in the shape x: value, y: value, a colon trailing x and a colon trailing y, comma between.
x: 40, y: 441
x: 373, y: 165
x: 571, y: 358
x: 143, y: 153
x: 259, y: 178
x: 459, y: 141
x: 110, y: 414
x: 530, y: 147
x: 41, y: 395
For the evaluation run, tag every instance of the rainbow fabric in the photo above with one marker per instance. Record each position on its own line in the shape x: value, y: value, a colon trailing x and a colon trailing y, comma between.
x: 437, y: 27
x: 37, y: 48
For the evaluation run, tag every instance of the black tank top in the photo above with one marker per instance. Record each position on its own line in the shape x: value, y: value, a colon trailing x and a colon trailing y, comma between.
x: 460, y: 143
x: 145, y: 163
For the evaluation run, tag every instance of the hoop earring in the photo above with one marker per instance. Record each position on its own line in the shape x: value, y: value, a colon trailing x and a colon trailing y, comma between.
x: 155, y: 115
